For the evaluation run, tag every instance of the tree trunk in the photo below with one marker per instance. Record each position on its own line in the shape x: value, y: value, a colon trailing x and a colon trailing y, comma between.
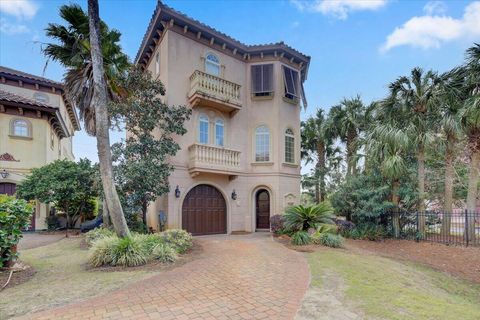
x: 105, y: 214
x: 351, y: 162
x: 421, y: 187
x: 321, y: 171
x: 448, y: 197
x: 473, y: 179
x: 102, y: 124
x: 144, y: 212
x: 396, y: 201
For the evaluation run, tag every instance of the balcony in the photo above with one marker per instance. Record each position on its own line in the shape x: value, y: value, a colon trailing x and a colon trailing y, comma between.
x: 212, y: 159
x: 211, y: 91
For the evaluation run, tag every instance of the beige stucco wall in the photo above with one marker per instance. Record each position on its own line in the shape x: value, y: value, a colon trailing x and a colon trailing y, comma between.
x: 36, y: 151
x: 179, y: 58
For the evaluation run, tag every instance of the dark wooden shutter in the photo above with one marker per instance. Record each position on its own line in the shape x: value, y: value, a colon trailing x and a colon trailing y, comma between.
x: 256, y: 78
x: 291, y: 81
x: 262, y: 78
x: 267, y: 77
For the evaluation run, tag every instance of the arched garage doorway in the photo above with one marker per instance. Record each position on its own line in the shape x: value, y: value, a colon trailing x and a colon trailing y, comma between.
x: 204, y: 211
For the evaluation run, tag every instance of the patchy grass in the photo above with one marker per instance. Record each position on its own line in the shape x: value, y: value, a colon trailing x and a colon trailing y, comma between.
x: 62, y: 277
x: 382, y: 288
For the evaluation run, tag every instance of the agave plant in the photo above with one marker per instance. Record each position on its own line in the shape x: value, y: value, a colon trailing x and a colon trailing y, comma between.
x: 304, y: 218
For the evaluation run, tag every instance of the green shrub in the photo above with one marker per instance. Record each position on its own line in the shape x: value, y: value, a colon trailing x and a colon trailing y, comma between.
x: 152, y: 240
x: 178, y: 239
x: 299, y: 218
x: 331, y: 240
x: 97, y: 233
x: 164, y: 253
x: 15, y: 215
x: 301, y: 238
x: 114, y: 251
x: 367, y: 231
x: 52, y: 222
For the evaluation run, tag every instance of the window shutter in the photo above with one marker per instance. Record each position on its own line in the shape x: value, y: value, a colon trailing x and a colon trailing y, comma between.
x: 291, y: 81
x: 267, y: 77
x: 256, y: 78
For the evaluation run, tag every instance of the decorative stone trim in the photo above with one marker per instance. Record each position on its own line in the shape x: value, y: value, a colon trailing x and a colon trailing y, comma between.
x: 8, y: 157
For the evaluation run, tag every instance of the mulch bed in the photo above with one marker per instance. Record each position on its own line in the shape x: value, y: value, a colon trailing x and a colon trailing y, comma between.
x: 463, y: 262
x: 18, y: 277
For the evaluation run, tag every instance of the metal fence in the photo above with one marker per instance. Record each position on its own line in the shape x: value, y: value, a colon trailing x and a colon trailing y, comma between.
x: 462, y: 228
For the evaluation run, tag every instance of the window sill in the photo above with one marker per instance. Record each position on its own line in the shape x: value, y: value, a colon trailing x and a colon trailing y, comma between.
x: 288, y: 164
x: 261, y: 98
x: 262, y: 163
x: 291, y: 101
x: 20, y: 137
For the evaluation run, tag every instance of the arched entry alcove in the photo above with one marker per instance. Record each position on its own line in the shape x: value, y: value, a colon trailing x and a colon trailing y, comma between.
x: 262, y: 209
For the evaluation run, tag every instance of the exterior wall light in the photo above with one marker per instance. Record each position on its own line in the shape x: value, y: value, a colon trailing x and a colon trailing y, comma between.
x: 4, y: 174
x: 234, y: 195
x: 177, y: 192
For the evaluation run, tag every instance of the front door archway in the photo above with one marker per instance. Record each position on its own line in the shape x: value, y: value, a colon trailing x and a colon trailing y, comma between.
x: 262, y: 209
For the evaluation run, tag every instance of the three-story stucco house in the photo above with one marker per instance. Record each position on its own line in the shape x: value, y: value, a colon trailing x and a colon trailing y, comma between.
x: 239, y: 163
x: 36, y: 127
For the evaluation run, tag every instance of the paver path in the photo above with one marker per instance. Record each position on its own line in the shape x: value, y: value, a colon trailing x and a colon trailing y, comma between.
x: 32, y: 240
x: 236, y: 277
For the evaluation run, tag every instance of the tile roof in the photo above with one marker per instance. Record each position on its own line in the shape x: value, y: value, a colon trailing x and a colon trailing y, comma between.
x: 11, y: 97
x: 205, y: 28
x: 30, y: 77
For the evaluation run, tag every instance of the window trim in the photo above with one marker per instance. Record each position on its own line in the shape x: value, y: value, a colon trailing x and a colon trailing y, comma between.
x: 263, y: 94
x: 269, y: 132
x: 288, y: 95
x: 291, y: 135
x: 28, y: 125
x: 214, y: 63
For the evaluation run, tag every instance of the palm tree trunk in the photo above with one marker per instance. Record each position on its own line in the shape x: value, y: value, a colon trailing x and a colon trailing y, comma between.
x: 321, y: 170
x: 396, y: 201
x: 102, y: 124
x: 472, y: 193
x: 448, y: 197
x: 421, y: 187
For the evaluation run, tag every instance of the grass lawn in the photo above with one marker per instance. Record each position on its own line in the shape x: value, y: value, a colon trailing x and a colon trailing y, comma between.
x: 382, y: 288
x: 61, y: 277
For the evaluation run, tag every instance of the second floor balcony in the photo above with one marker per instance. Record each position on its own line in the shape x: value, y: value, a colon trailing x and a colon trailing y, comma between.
x: 212, y: 91
x: 213, y: 159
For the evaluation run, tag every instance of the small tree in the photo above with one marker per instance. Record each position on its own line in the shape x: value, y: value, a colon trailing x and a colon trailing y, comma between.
x: 15, y: 216
x: 142, y: 168
x: 66, y: 184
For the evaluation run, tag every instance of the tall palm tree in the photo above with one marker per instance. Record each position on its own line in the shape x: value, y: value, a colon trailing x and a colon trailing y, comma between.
x: 94, y: 61
x: 413, y: 97
x: 346, y: 123
x: 317, y: 142
x: 72, y: 50
x: 470, y: 120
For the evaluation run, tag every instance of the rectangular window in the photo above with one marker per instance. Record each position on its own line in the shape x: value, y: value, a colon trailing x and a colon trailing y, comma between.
x: 290, y: 78
x: 203, y: 131
x: 289, y: 149
x: 262, y: 80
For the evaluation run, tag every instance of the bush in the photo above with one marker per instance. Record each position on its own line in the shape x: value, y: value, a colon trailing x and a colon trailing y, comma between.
x: 301, y: 238
x: 331, y: 240
x: 15, y: 215
x: 178, y: 239
x: 276, y: 223
x: 52, y: 222
x: 164, y: 253
x: 367, y: 231
x: 97, y: 233
x: 299, y: 218
x: 344, y: 226
x: 114, y: 251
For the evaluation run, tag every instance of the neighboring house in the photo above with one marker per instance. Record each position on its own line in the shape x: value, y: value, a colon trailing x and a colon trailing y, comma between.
x: 239, y: 163
x: 36, y: 128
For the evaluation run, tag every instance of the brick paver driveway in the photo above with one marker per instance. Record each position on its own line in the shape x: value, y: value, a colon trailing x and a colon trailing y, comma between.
x: 236, y: 277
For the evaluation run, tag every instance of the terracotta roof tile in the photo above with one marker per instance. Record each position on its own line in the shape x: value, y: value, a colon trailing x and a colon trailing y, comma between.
x: 29, y: 76
x: 11, y: 97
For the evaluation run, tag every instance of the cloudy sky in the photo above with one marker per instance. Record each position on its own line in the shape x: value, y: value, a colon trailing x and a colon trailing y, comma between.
x: 357, y: 47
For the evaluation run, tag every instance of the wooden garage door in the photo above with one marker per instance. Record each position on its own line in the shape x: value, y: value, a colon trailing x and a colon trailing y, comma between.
x: 7, y: 188
x: 204, y: 211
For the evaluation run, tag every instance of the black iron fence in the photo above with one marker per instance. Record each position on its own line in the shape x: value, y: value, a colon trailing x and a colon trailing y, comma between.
x: 461, y: 228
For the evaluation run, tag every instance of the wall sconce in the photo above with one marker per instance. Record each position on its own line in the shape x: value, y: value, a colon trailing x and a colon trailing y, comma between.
x: 4, y: 174
x: 177, y: 192
x: 234, y: 195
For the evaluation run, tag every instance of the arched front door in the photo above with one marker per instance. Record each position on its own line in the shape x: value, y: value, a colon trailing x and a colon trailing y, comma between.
x: 262, y: 204
x: 204, y: 211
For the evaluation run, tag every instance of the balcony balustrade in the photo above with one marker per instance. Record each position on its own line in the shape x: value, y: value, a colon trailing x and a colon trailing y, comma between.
x: 213, y: 159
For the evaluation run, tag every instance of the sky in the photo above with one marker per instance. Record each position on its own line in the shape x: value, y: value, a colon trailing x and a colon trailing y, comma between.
x: 356, y: 46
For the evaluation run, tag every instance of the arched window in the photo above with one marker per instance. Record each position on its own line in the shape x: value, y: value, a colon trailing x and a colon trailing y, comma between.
x: 203, y: 129
x: 262, y: 144
x: 289, y: 146
x: 219, y: 132
x: 157, y: 63
x: 20, y: 128
x: 212, y: 64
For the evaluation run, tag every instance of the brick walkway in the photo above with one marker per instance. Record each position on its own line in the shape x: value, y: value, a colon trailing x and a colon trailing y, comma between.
x: 236, y: 277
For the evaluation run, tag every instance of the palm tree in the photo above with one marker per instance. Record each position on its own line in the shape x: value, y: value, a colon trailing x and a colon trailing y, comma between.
x: 413, y: 97
x: 94, y: 61
x: 346, y: 123
x: 317, y: 142
x: 470, y: 120
x: 72, y: 50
